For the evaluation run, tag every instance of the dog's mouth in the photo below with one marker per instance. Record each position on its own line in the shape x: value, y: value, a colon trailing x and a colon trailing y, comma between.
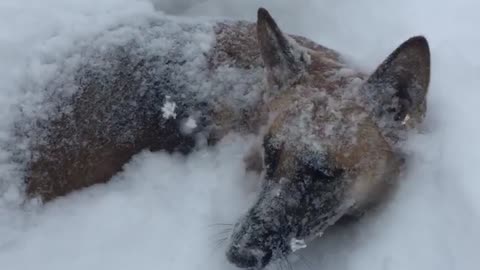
x: 255, y: 244
x: 256, y: 259
x: 249, y: 258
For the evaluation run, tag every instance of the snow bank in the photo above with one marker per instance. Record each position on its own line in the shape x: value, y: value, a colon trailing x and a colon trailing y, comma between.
x: 156, y: 215
x: 162, y: 213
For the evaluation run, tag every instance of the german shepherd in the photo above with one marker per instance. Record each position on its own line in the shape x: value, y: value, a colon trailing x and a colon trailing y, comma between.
x: 331, y: 136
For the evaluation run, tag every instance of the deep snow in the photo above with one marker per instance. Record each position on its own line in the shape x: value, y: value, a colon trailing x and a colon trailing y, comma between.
x: 159, y: 213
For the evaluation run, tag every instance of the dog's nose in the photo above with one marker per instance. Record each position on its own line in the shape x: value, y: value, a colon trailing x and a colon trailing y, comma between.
x: 244, y: 258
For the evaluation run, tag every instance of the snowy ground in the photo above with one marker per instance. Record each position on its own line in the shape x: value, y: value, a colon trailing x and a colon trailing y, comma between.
x: 157, y: 214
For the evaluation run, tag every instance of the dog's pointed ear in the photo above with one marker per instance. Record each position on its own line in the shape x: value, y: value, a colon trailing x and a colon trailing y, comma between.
x: 397, y: 89
x: 283, y: 58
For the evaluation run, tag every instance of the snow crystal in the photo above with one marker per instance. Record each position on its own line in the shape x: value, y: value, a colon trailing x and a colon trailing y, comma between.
x: 190, y: 124
x: 405, y: 120
x: 297, y: 244
x: 168, y: 110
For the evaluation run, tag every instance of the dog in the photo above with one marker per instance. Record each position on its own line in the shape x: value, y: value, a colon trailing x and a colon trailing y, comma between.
x: 331, y: 136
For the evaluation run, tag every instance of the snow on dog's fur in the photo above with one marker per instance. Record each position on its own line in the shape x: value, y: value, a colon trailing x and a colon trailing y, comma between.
x: 331, y: 136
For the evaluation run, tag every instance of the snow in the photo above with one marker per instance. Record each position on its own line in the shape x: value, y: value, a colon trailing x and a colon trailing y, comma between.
x: 189, y: 125
x: 168, y: 110
x: 158, y: 214
x: 297, y: 244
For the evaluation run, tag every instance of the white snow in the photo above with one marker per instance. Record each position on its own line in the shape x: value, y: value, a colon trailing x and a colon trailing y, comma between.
x: 168, y: 110
x: 297, y: 244
x: 156, y: 215
x: 189, y: 125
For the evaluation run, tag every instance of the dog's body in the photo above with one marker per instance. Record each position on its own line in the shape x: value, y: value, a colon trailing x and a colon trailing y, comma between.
x: 123, y: 94
x: 330, y: 134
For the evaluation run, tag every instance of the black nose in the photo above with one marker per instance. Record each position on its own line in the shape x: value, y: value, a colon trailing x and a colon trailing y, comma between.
x: 242, y: 258
x: 245, y: 258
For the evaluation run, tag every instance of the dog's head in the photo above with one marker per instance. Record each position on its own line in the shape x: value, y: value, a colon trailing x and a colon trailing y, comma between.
x: 331, y: 141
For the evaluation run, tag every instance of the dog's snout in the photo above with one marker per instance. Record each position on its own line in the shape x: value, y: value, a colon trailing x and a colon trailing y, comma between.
x: 248, y: 258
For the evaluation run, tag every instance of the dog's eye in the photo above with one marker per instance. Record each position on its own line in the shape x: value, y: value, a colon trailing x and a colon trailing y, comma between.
x: 323, y: 173
x: 271, y: 157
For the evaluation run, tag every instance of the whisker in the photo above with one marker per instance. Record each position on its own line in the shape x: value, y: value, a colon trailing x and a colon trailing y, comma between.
x: 220, y: 224
x: 279, y: 264
x: 222, y: 232
x: 219, y: 243
x: 290, y: 265
x: 223, y: 239
x: 287, y: 262
x: 306, y: 262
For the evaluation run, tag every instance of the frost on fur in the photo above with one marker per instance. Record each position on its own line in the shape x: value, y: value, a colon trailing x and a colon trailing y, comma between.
x: 168, y: 110
x: 297, y: 244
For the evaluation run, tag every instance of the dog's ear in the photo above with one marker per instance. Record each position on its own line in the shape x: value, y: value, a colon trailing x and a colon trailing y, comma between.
x: 283, y: 58
x: 398, y: 87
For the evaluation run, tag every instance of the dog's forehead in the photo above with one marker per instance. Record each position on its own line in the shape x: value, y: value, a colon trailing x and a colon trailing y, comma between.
x: 320, y: 120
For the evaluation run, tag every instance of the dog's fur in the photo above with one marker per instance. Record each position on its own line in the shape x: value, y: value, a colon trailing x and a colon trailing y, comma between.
x: 331, y: 135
